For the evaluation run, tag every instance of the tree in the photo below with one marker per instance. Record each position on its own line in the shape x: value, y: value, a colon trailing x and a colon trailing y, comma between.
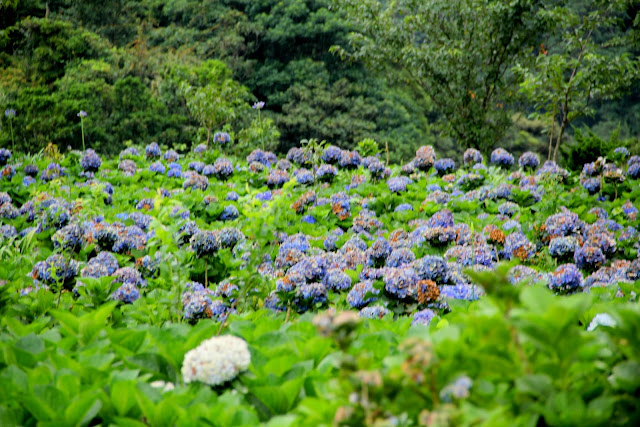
x: 579, y: 69
x: 218, y: 101
x: 458, y: 53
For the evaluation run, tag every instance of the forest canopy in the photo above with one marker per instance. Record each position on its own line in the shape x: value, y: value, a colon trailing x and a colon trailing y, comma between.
x: 455, y: 74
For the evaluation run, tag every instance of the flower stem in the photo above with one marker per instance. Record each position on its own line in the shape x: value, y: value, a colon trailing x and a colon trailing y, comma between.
x: 13, y: 143
x: 82, y: 127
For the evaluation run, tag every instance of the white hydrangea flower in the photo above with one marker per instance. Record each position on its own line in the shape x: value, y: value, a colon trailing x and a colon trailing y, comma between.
x: 216, y: 360
x: 601, y: 319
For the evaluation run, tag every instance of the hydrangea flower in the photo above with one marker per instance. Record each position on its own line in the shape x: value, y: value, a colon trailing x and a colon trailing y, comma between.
x: 423, y: 317
x: 529, y: 160
x: 602, y: 319
x: 152, y: 150
x: 5, y: 155
x: 502, y: 157
x: 349, y: 159
x: 357, y: 296
x: 444, y: 166
x: 128, y: 167
x: 472, y: 157
x: 277, y: 178
x: 221, y: 138
x: 398, y: 184
x: 229, y: 213
x: 592, y: 185
x: 432, y: 268
x: 403, y: 207
x: 566, y: 278
x: 561, y: 247
x: 425, y: 158
x: 216, y: 360
x: 400, y: 282
x: 458, y: 389
x: 303, y: 176
x: 336, y: 280
x: 588, y: 257
x: 222, y: 168
x: 331, y: 154
x: 326, y: 172
x: 374, y: 312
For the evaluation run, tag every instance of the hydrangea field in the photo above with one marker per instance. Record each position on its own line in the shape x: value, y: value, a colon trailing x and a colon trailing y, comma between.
x: 324, y: 287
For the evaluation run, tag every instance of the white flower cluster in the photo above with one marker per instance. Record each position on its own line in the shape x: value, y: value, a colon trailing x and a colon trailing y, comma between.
x: 602, y: 319
x: 216, y: 360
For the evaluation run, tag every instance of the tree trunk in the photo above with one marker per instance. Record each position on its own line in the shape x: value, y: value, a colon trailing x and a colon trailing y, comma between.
x: 208, y: 135
x: 562, y: 128
x: 553, y: 123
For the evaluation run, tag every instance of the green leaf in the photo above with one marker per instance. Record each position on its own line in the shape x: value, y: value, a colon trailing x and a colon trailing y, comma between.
x: 83, y: 409
x: 626, y: 376
x: 123, y: 395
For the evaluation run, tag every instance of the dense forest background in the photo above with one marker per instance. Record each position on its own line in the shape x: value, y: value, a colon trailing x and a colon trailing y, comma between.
x: 130, y: 65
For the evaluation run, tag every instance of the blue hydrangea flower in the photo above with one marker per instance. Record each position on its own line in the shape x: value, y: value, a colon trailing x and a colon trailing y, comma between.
x: 298, y: 156
x: 633, y: 171
x: 90, y: 161
x: 516, y: 244
x: 425, y: 158
x: 171, y: 156
x: 311, y: 294
x: 374, y: 312
x: 588, y: 257
x: 5, y: 155
x: 563, y: 223
x: 350, y: 159
x: 461, y: 292
x: 129, y: 152
x: 56, y: 268
x: 398, y: 184
x: 561, y: 247
x: 221, y: 138
x: 443, y: 218
x: 444, y: 166
x: 400, y: 282
x: 400, y: 257
x: 423, y: 317
x: 127, y: 293
x: 152, y: 150
x: 403, y: 207
x: 592, y: 185
x: 196, y: 181
x: 303, y: 176
x: 229, y: 213
x: 502, y: 157
x: 566, y: 278
x: 336, y: 280
x: 222, y: 168
x: 277, y: 178
x: 157, y: 167
x: 357, y: 296
x: 204, y: 243
x: 508, y: 208
x: 326, y: 172
x: 529, y: 160
x: 458, y: 389
x: 309, y: 219
x: 53, y: 171
x: 472, y: 157
x: 622, y: 152
x: 431, y: 268
x: 331, y: 154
